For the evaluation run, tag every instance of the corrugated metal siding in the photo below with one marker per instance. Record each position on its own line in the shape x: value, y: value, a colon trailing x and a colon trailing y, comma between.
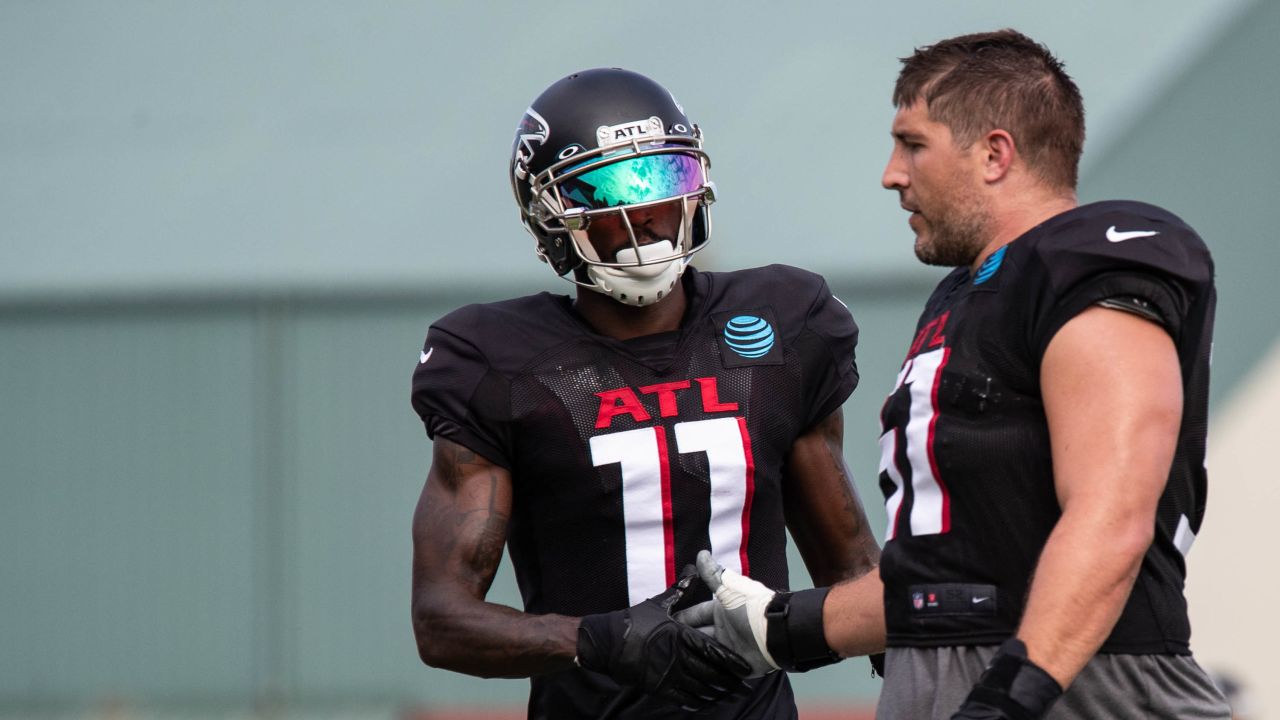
x: 126, y: 505
x: 211, y: 503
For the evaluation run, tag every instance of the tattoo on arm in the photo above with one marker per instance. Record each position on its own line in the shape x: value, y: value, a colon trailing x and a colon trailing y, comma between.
x: 833, y: 434
x: 824, y: 512
x: 474, y: 547
x: 460, y: 530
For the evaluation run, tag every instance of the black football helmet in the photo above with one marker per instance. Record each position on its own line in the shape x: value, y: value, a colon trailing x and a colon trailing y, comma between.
x: 606, y: 141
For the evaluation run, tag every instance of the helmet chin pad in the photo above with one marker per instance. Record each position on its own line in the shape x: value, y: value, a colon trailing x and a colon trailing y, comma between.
x: 639, y: 284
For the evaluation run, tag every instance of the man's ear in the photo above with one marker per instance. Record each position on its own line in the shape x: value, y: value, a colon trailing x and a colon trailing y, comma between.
x: 998, y: 153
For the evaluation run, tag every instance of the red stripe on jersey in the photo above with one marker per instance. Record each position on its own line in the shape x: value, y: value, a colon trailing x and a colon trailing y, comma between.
x: 668, y: 530
x: 897, y: 516
x: 751, y: 491
x: 933, y: 422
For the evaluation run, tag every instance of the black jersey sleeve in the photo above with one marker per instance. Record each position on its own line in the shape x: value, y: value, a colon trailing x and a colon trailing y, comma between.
x: 457, y: 394
x: 828, y: 345
x: 1136, y: 256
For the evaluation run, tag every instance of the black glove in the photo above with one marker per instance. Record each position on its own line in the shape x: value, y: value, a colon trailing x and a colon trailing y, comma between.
x: 643, y: 646
x: 1011, y: 688
x: 877, y: 664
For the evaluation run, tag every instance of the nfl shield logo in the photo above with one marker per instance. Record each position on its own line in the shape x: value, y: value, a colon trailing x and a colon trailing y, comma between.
x: 917, y: 600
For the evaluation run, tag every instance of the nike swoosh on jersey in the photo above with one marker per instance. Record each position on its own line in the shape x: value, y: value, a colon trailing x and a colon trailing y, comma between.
x: 1114, y: 235
x: 425, y: 355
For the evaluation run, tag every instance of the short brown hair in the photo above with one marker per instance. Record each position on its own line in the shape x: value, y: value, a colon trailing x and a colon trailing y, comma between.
x: 1003, y: 79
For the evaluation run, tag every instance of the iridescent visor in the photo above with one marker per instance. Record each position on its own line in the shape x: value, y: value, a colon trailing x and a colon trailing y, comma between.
x: 635, y: 180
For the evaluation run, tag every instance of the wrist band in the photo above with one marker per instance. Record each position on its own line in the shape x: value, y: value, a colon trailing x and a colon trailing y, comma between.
x: 794, y: 633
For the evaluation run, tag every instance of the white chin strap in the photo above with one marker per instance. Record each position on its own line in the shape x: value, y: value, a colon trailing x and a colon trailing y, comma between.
x: 638, y: 284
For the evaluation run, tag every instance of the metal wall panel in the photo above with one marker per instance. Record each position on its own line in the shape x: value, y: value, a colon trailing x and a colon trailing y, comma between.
x: 285, y: 144
x: 361, y: 458
x: 127, y: 515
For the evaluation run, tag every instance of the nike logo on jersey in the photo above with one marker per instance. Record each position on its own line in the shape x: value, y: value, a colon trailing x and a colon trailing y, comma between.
x: 425, y: 355
x: 1114, y: 235
x: 953, y: 599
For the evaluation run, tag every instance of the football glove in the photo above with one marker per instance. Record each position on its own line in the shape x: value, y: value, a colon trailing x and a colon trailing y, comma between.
x: 642, y: 646
x: 1011, y: 688
x: 770, y: 630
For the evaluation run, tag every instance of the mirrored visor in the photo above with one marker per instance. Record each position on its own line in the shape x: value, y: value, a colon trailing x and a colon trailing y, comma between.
x: 635, y: 180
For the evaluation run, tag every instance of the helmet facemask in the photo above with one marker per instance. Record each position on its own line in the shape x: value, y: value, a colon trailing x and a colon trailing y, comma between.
x: 615, y: 181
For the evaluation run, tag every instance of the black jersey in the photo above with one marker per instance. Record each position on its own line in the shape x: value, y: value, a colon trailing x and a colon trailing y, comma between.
x: 628, y: 457
x: 965, y: 462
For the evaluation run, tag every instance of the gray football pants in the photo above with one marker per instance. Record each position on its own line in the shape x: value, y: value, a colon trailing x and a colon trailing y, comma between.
x: 930, y: 684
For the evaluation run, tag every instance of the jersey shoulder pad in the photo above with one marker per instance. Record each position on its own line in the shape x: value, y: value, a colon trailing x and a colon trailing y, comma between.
x: 800, y: 299
x: 1119, y: 236
x: 815, y: 324
x: 510, y: 333
x: 1117, y: 251
x: 461, y: 386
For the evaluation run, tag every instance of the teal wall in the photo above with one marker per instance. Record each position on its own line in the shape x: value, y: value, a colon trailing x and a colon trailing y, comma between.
x: 209, y: 502
x: 243, y: 146
x: 1207, y: 150
x: 128, y: 513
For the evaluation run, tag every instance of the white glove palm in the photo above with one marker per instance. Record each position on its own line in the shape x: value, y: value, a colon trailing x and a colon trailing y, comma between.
x: 736, y: 617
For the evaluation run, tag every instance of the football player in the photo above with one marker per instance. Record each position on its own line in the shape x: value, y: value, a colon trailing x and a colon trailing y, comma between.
x: 1043, y: 451
x: 605, y: 438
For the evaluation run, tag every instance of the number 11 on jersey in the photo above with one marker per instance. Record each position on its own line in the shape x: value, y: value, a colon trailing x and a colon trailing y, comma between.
x: 646, y: 495
x: 930, y: 501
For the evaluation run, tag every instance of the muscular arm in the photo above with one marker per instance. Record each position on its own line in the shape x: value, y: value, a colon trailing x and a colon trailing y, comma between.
x: 822, y: 508
x: 1112, y: 389
x: 459, y: 530
x: 829, y: 525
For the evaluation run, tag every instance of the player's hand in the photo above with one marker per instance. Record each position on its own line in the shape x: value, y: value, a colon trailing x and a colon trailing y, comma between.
x: 736, y: 616
x: 1011, y: 688
x: 644, y: 647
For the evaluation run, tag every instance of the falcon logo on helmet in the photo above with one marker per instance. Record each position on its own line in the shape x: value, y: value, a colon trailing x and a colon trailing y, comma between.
x: 620, y: 143
x: 533, y: 129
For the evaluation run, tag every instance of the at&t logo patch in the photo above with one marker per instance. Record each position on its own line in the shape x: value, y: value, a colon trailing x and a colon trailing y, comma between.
x: 748, y: 337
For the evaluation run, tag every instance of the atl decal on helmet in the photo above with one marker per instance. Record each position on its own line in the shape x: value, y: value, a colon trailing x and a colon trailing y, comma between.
x: 749, y: 336
x: 622, y: 132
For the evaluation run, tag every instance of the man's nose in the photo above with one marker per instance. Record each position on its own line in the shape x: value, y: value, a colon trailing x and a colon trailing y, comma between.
x: 895, y: 174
